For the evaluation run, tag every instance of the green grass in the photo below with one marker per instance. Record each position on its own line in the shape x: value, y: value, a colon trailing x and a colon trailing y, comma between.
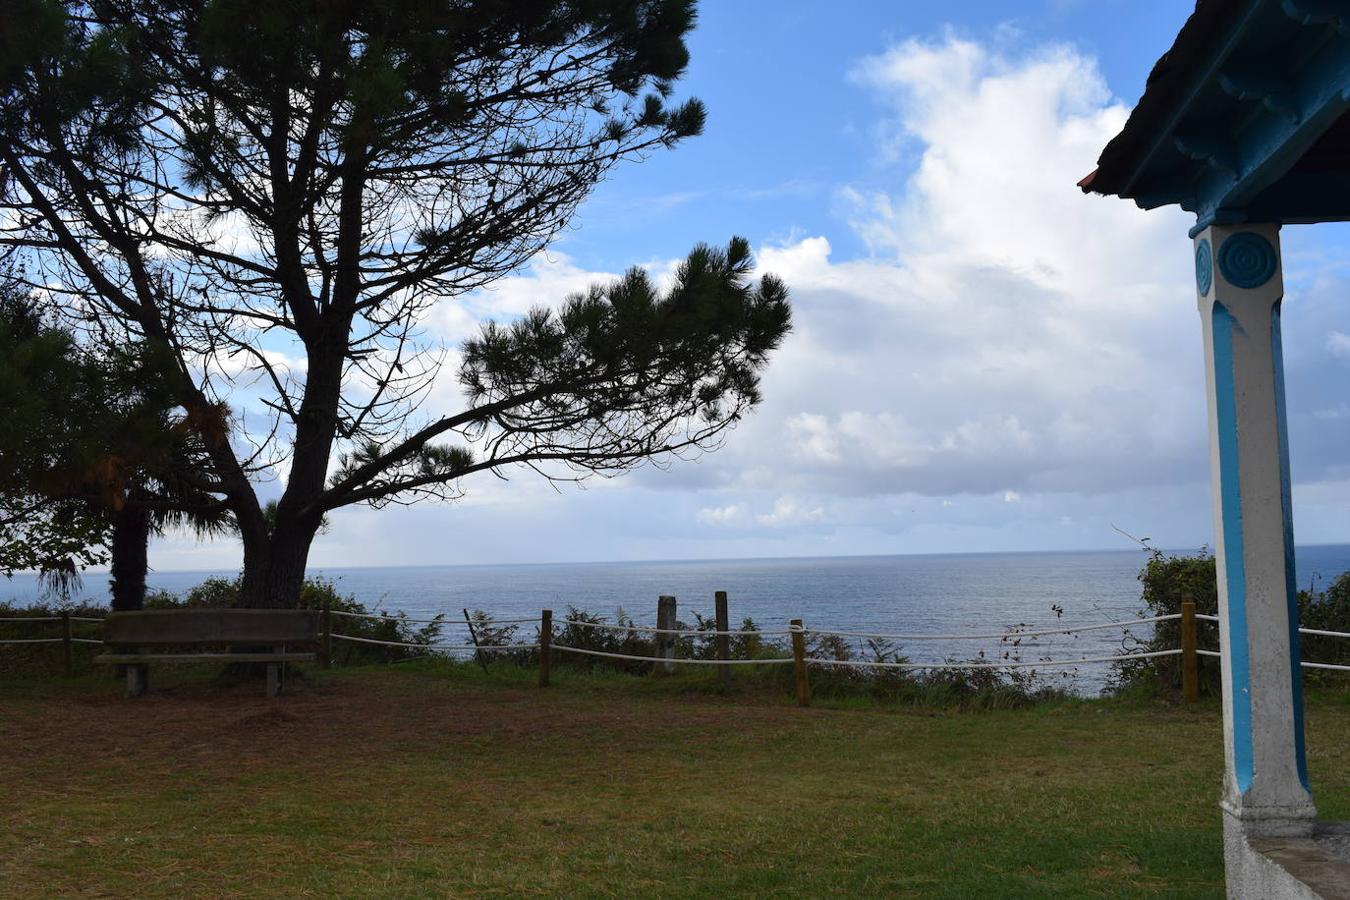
x: 436, y: 780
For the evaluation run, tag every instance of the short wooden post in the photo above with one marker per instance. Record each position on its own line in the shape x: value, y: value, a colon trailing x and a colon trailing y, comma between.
x: 68, y: 644
x: 545, y: 643
x: 326, y: 637
x: 723, y: 640
x: 1190, y: 660
x: 799, y: 663
x: 665, y: 643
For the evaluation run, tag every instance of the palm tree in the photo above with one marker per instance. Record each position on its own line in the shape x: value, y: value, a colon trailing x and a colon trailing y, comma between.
x: 95, y: 459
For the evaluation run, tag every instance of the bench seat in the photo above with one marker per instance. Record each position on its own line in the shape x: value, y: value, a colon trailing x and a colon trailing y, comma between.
x: 135, y: 639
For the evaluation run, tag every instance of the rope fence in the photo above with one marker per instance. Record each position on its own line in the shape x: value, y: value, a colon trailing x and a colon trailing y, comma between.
x: 667, y: 633
x: 1002, y: 635
x: 439, y: 620
x: 1017, y: 664
x: 447, y: 647
x: 683, y: 632
x: 683, y: 660
x: 68, y: 640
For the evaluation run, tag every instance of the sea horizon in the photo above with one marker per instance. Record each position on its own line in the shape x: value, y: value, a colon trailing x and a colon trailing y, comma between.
x: 101, y: 570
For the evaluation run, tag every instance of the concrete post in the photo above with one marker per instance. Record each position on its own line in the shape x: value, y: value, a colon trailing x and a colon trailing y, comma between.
x: 1238, y: 276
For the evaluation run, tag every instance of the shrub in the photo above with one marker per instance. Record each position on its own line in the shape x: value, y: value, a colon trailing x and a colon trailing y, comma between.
x: 1168, y: 579
x: 487, y: 633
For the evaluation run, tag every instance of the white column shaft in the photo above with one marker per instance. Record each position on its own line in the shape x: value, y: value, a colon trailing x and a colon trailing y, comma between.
x: 1241, y: 286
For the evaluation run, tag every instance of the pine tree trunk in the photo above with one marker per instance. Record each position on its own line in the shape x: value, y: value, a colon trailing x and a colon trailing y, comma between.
x: 274, y: 569
x: 130, y: 539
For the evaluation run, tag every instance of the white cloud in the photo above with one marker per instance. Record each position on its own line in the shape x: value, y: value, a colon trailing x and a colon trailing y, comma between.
x: 1007, y: 332
x: 1012, y: 497
x: 789, y: 511
x: 721, y: 515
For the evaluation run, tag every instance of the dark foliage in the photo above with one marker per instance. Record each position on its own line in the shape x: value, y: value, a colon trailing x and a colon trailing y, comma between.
x: 93, y: 458
x: 229, y: 178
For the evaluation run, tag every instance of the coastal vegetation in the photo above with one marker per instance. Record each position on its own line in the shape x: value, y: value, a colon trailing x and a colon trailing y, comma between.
x: 1168, y: 579
x: 1165, y: 580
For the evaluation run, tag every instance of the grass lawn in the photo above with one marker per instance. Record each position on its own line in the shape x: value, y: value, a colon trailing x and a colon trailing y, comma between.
x: 435, y: 780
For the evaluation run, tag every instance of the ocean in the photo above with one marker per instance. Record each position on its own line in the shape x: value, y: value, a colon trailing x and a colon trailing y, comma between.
x: 921, y: 594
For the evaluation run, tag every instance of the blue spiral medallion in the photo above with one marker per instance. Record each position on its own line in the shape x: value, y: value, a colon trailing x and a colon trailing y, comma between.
x: 1204, y: 267
x: 1247, y: 260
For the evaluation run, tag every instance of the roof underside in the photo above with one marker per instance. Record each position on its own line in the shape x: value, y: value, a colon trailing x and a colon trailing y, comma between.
x: 1245, y: 119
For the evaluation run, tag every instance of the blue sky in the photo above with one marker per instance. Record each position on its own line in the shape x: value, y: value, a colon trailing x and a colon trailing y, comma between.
x: 984, y: 359
x: 787, y: 123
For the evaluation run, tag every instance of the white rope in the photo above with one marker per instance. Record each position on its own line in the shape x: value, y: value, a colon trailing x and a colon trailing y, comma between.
x: 1324, y: 633
x: 486, y: 647
x: 31, y: 619
x: 1000, y: 635
x: 441, y: 619
x: 687, y: 632
x: 85, y: 619
x: 34, y: 641
x: 1344, y: 634
x: 85, y: 640
x: 361, y: 640
x: 660, y: 659
x: 1213, y: 653
x: 1312, y: 665
x: 1012, y: 665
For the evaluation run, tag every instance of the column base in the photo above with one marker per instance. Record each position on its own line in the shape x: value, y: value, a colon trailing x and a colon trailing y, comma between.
x: 1315, y: 866
x: 1293, y: 820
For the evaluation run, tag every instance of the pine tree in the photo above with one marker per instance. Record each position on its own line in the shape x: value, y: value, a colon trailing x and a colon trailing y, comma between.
x: 274, y: 195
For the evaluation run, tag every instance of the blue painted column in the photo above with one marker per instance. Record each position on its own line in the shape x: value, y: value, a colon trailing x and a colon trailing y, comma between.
x: 1239, y: 279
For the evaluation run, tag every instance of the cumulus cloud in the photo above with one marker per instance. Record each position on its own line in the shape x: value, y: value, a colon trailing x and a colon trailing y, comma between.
x: 721, y: 515
x: 1006, y: 332
x: 790, y: 511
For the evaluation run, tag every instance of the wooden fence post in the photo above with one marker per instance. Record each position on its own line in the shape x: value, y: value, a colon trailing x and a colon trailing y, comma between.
x: 1190, y: 662
x: 723, y: 640
x: 326, y: 636
x: 665, y: 643
x: 545, y: 643
x: 68, y: 645
x: 799, y: 663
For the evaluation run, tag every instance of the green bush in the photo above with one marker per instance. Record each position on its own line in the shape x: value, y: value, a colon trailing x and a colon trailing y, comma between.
x: 1168, y: 579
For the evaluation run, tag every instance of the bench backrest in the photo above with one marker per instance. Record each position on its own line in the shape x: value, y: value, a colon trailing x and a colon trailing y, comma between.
x: 167, y: 627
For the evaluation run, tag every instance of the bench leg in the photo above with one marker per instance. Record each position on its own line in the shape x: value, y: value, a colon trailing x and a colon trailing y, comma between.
x: 138, y: 679
x: 273, y: 679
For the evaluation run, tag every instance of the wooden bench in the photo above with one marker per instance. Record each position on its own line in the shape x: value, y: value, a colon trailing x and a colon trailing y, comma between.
x: 186, y: 633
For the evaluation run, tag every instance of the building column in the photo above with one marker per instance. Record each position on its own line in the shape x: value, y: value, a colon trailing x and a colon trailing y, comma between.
x: 1239, y: 279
